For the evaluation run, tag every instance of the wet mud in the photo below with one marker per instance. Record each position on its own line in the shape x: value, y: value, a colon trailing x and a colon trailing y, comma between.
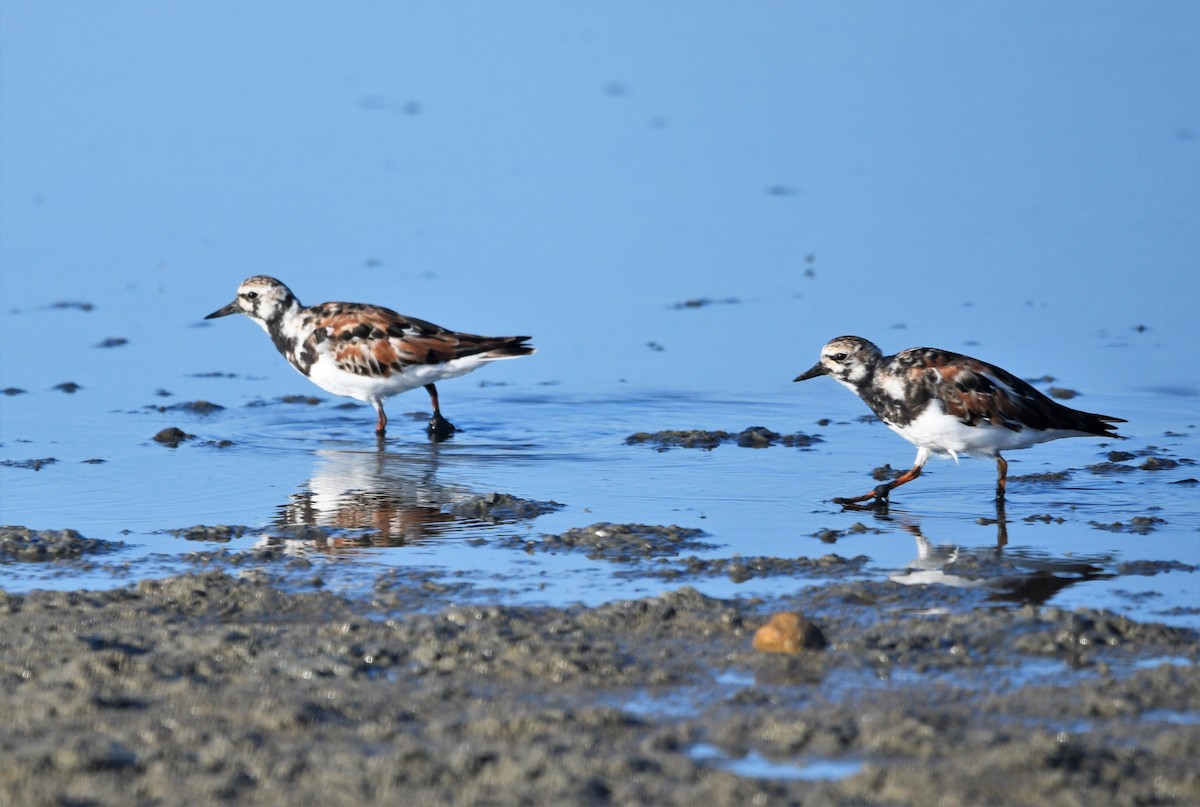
x: 752, y: 437
x: 222, y: 686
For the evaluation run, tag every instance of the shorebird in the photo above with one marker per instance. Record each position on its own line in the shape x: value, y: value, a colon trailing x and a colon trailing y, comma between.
x: 367, y: 352
x: 949, y: 404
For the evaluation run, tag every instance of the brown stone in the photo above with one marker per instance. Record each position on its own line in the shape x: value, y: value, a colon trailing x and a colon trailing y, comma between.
x: 788, y: 633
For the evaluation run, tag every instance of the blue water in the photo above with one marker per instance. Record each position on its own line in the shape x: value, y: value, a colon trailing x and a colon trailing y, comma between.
x: 1020, y: 182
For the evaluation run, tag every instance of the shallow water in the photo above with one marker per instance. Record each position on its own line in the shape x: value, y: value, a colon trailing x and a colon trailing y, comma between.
x: 796, y: 189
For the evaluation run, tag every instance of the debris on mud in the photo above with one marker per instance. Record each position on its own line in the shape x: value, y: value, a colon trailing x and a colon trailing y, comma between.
x: 1111, y: 468
x: 497, y: 507
x: 1149, y: 568
x: 1138, y: 525
x: 24, y: 544
x: 1046, y: 477
x: 740, y: 569
x: 194, y: 407
x: 621, y: 543
x: 831, y: 536
x: 218, y: 533
x: 1158, y: 464
x: 752, y: 437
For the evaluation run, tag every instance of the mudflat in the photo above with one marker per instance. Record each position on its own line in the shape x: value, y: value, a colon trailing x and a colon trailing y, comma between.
x: 223, y: 687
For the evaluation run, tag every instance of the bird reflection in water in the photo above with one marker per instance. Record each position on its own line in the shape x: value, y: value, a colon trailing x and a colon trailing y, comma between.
x: 1023, y: 576
x: 359, y: 499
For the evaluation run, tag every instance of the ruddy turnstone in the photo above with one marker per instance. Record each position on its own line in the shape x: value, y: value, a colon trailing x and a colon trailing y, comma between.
x: 949, y: 404
x: 364, y: 351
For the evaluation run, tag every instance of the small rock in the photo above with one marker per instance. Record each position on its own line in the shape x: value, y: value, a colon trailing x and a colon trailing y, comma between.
x: 172, y: 437
x: 1158, y: 464
x: 33, y: 465
x: 195, y: 407
x: 501, y: 507
x: 788, y: 633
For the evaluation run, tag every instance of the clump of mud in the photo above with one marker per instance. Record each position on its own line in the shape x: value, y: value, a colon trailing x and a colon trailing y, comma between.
x: 31, y: 465
x: 740, y: 569
x: 172, y: 436
x: 620, y: 543
x: 753, y: 437
x: 1138, y: 525
x: 500, y: 507
x: 24, y: 544
x: 217, y: 533
x: 194, y: 407
x: 831, y: 536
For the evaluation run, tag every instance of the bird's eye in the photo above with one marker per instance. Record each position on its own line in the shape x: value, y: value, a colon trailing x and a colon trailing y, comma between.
x: 838, y: 357
x: 251, y: 295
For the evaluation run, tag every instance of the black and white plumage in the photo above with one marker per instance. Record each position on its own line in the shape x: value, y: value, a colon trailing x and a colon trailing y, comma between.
x: 949, y: 404
x: 367, y: 352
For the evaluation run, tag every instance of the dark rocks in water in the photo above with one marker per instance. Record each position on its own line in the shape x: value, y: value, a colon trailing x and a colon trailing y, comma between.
x: 32, y: 465
x: 1046, y: 477
x: 885, y: 473
x: 13, y: 391
x: 622, y: 542
x: 78, y: 306
x: 694, y: 438
x: 195, y: 407
x: 1061, y: 393
x: 1139, y: 525
x: 501, y: 507
x: 1149, y: 568
x: 1158, y: 464
x: 69, y: 387
x: 752, y: 437
x: 1111, y: 468
x: 739, y: 569
x: 831, y: 536
x: 113, y: 341
x: 218, y: 533
x: 23, y: 544
x: 701, y: 302
x: 171, y: 437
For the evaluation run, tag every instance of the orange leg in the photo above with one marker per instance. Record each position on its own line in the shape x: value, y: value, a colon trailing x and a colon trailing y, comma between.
x: 381, y: 423
x: 880, y: 493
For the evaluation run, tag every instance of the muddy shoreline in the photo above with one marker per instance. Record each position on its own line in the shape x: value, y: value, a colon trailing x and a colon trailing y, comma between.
x: 220, y: 686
